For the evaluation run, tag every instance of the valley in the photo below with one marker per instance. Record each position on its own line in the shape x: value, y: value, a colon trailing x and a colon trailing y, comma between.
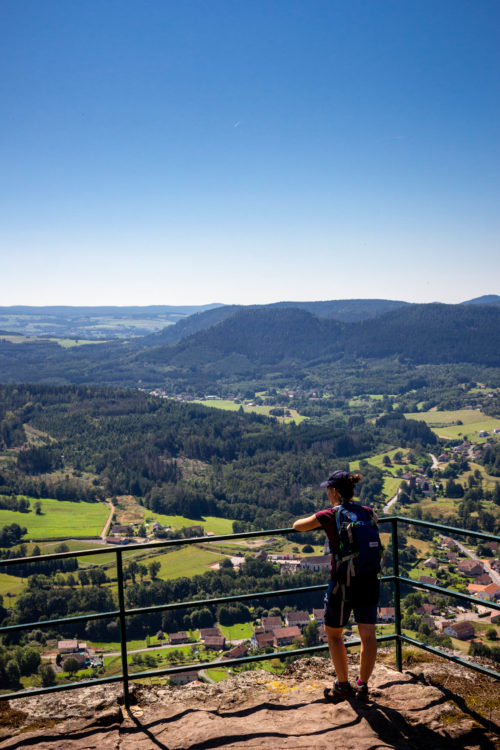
x: 231, y: 440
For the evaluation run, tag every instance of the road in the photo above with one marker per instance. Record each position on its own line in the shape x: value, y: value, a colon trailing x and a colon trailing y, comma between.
x: 495, y: 577
x: 393, y: 499
x: 108, y: 522
x: 435, y: 462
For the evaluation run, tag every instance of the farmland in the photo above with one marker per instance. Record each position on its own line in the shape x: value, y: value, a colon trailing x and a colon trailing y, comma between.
x: 457, y: 423
x: 59, y: 519
x: 263, y: 409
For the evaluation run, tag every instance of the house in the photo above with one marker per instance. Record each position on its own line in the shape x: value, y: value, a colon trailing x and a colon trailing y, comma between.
x: 194, y: 530
x: 386, y: 614
x: 182, y: 678
x: 323, y: 638
x: 462, y: 630
x: 215, y: 642
x: 286, y: 636
x: 269, y: 623
x: 297, y: 618
x: 261, y: 555
x: 448, y: 542
x: 470, y: 567
x: 431, y: 562
x: 488, y: 593
x: 262, y: 640
x: 70, y: 647
x: 315, y: 562
x: 319, y: 616
x: 483, y: 580
x: 483, y: 433
x: 427, y: 609
x: 205, y: 632
x: 81, y: 658
x: 236, y: 653
x: 175, y: 638
x: 443, y: 457
x: 289, y: 567
x: 120, y: 529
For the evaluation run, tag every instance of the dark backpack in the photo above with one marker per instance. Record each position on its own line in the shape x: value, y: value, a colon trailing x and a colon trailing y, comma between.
x: 359, y: 546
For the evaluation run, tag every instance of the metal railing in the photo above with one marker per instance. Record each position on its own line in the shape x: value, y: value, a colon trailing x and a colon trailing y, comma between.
x: 122, y: 613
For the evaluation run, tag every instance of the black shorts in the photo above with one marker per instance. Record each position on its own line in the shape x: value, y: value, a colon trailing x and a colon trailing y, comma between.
x: 362, y: 600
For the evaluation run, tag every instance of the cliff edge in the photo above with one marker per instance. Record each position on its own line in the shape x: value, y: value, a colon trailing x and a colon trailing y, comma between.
x: 435, y: 705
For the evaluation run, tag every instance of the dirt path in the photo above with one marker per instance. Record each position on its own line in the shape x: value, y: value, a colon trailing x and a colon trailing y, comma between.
x: 104, y: 532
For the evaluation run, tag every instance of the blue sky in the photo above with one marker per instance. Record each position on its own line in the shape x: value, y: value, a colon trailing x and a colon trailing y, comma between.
x: 161, y: 152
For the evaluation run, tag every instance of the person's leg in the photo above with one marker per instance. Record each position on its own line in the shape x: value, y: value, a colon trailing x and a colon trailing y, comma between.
x: 368, y: 650
x: 338, y: 652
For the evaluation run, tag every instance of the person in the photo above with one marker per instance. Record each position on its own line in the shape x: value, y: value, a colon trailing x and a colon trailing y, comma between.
x: 363, y: 590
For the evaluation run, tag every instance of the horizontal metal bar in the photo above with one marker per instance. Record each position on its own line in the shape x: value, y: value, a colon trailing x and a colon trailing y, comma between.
x: 451, y: 657
x: 146, y: 546
x: 450, y: 592
x: 59, y: 621
x: 59, y: 688
x: 233, y: 598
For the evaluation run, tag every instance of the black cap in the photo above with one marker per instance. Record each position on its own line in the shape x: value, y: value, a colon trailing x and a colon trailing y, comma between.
x: 339, y: 480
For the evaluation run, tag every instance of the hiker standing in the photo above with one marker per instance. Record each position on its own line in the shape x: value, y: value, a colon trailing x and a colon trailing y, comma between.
x: 355, y: 546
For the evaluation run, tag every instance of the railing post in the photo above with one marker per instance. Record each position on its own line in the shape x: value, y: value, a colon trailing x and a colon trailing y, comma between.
x: 397, y: 593
x: 123, y: 627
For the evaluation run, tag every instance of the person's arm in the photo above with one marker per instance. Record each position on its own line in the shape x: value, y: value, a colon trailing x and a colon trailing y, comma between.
x: 306, y: 524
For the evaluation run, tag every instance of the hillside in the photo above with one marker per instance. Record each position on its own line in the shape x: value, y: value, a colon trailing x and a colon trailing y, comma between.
x: 420, y: 333
x: 252, y: 342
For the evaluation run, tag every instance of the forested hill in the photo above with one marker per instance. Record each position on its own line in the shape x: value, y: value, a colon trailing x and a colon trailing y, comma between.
x: 255, y: 341
x: 346, y: 310
x: 260, y: 335
x: 433, y: 333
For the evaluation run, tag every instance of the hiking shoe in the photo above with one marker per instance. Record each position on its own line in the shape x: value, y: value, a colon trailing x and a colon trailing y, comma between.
x: 361, y: 691
x: 338, y: 693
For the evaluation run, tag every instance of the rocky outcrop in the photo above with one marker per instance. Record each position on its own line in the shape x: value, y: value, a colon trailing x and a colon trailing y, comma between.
x: 430, y: 705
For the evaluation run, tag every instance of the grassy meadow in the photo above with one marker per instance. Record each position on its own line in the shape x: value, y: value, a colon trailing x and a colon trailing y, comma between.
x: 444, y: 423
x: 255, y: 408
x: 208, y: 523
x: 59, y: 519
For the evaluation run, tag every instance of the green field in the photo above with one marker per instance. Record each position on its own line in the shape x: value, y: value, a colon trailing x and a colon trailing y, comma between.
x: 185, y: 562
x: 256, y: 409
x: 235, y: 632
x: 10, y: 588
x: 59, y: 519
x: 444, y: 423
x: 68, y: 343
x: 217, y: 675
x: 208, y: 523
x: 378, y: 458
x: 391, y: 485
